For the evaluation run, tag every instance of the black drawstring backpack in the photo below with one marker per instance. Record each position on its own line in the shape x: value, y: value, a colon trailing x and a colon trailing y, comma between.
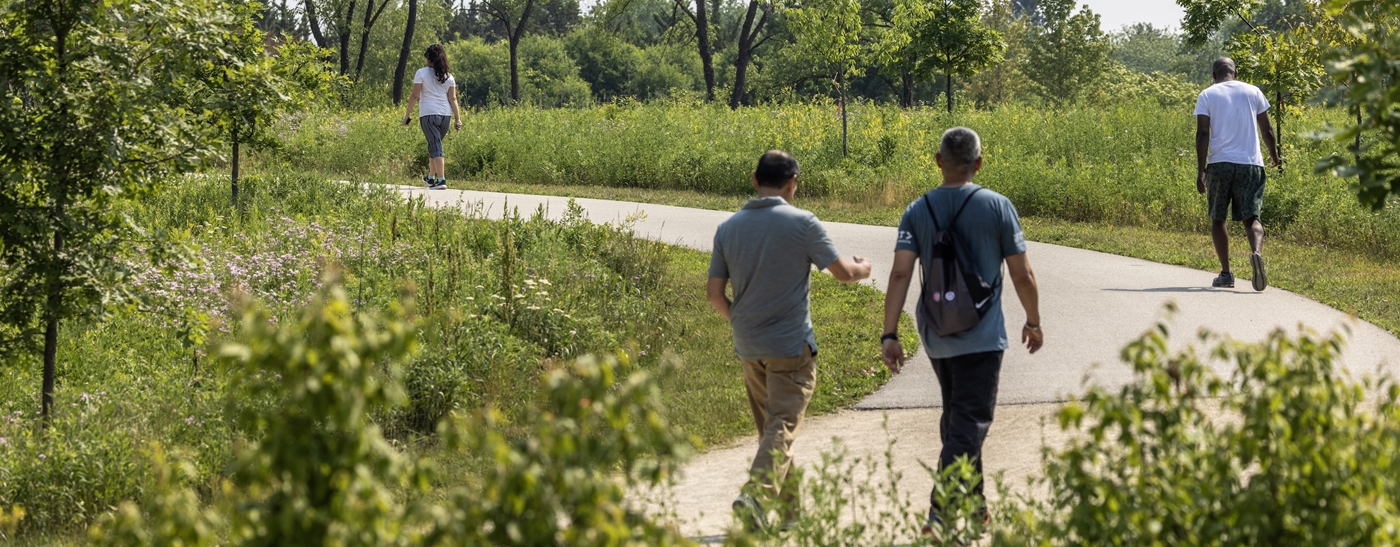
x: 954, y: 296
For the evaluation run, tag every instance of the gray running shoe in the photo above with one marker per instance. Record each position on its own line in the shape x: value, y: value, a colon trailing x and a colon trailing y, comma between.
x: 439, y: 185
x: 750, y: 513
x: 429, y: 181
x: 1225, y: 280
x: 1260, y: 280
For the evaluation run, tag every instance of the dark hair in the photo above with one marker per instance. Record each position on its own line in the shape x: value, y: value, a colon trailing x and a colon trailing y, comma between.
x: 775, y: 168
x: 437, y: 58
x: 1222, y: 67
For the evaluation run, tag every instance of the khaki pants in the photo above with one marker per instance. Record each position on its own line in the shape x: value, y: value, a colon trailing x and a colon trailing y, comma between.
x: 779, y: 390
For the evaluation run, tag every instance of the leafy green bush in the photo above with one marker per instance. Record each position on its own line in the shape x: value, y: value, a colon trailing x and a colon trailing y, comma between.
x: 1297, y: 454
x: 320, y: 473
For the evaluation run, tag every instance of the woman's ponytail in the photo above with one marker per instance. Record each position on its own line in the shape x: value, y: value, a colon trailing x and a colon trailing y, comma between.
x: 437, y: 58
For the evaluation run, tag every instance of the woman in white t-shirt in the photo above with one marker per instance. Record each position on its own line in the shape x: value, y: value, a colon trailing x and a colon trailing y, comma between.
x: 435, y: 92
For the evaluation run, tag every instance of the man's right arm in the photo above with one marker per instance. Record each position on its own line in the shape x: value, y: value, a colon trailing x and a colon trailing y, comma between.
x: 1028, y: 291
x: 1202, y: 150
x: 714, y: 290
x: 849, y: 271
x: 900, y: 277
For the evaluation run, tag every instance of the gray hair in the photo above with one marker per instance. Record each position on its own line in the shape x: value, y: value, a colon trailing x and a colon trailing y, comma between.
x: 960, y: 148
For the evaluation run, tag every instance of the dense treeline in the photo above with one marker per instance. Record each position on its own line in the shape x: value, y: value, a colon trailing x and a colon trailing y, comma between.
x: 747, y: 52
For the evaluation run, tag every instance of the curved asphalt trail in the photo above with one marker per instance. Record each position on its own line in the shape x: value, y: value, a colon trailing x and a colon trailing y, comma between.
x: 1091, y: 305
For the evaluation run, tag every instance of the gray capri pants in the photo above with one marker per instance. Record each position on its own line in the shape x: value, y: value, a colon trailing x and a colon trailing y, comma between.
x: 435, y: 128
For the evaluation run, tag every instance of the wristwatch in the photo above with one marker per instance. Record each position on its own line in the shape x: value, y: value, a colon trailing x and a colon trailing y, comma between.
x: 889, y: 336
x: 1032, y: 327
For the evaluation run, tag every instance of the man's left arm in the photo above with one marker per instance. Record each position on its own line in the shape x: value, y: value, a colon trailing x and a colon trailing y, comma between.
x: 1266, y: 130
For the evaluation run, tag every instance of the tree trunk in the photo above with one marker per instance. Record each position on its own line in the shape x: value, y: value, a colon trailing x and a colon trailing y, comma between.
x: 52, y: 314
x: 404, y: 52
x: 948, y: 83
x: 514, y: 72
x: 702, y: 35
x: 515, y: 35
x: 343, y: 29
x: 235, y: 172
x: 1358, y: 134
x: 747, y: 34
x: 906, y: 97
x: 371, y: 17
x: 315, y: 24
x: 841, y: 84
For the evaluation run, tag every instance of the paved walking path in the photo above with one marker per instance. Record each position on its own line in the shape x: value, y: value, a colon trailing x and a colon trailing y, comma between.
x: 1091, y: 305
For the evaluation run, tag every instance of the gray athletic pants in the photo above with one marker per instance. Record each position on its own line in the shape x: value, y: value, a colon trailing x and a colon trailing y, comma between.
x: 435, y: 128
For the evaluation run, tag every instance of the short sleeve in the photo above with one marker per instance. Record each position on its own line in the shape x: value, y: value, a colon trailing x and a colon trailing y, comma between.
x: 418, y: 77
x: 1202, y: 106
x: 820, y: 250
x: 906, y: 241
x: 450, y: 83
x: 1260, y: 102
x: 718, y: 267
x: 1013, y: 239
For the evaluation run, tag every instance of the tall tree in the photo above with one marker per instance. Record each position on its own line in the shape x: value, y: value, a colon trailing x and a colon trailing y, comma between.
x: 405, y: 51
x: 91, y: 120
x: 829, y: 31
x: 372, y: 13
x: 514, y: 17
x: 948, y: 37
x: 1068, y: 53
x: 702, y: 37
x: 314, y: 23
x: 344, y: 22
x: 246, y: 88
x: 1005, y: 79
x: 748, y: 42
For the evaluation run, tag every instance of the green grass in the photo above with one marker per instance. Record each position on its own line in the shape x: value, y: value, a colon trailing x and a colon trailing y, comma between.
x: 1132, y: 164
x: 143, y: 375
x: 1366, y: 286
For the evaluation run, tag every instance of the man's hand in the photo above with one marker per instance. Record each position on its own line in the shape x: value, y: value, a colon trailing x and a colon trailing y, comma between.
x: 1032, y: 337
x: 405, y: 120
x: 1278, y: 164
x: 893, y: 355
x: 1201, y: 182
x: 457, y: 125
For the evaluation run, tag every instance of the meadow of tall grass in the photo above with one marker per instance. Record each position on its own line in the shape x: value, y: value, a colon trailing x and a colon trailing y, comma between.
x: 1130, y: 164
x: 497, y: 305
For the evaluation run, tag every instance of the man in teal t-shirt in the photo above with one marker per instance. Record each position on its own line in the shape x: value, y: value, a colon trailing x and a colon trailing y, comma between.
x: 968, y: 364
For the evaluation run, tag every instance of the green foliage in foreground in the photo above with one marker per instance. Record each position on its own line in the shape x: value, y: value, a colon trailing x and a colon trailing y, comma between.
x: 320, y: 473
x: 1286, y: 451
x: 1127, y: 165
x: 500, y: 303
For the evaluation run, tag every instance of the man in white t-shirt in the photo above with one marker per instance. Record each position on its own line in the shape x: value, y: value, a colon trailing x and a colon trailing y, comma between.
x: 1229, y: 166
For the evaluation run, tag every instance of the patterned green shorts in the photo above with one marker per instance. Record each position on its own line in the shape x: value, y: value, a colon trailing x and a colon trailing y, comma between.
x: 1236, y: 187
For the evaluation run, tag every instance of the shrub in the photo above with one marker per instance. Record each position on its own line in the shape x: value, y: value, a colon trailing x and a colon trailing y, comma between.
x: 1298, y: 456
x: 67, y: 471
x: 320, y: 473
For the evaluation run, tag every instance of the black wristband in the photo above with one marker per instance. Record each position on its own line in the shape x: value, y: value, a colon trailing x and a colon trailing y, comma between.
x: 889, y: 336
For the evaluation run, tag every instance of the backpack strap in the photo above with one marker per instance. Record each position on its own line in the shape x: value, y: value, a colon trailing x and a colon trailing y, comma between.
x: 929, y: 206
